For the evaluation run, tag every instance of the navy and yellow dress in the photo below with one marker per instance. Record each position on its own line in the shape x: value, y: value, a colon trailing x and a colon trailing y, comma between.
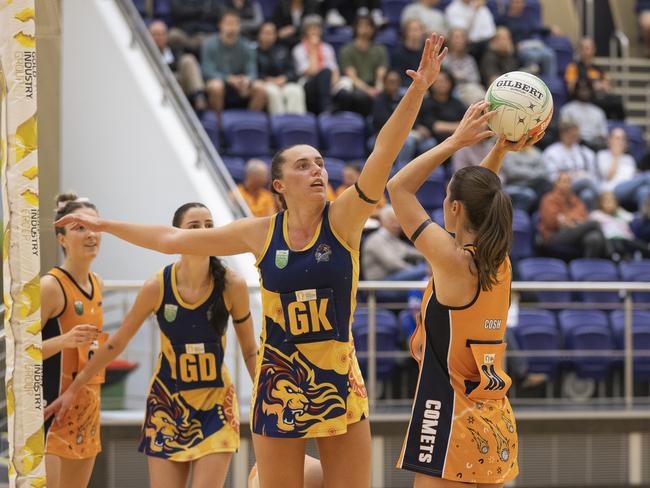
x: 308, y: 382
x: 191, y: 407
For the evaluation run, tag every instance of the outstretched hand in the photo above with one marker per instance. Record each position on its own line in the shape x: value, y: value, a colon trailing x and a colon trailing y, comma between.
x: 430, y: 62
x: 472, y: 129
x: 79, y: 219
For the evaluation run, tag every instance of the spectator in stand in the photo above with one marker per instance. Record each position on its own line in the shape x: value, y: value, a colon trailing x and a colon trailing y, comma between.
x: 640, y: 225
x: 585, y: 69
x: 568, y: 155
x: 526, y: 169
x: 341, y: 12
x: 315, y: 63
x: 365, y: 63
x: 250, y: 13
x: 499, y: 57
x: 441, y: 112
x: 184, y: 66
x: 230, y: 67
x: 275, y: 67
x: 526, y: 35
x: 193, y: 21
x: 288, y: 16
x: 590, y: 118
x: 426, y: 12
x: 385, y: 256
x: 407, y: 53
x: 255, y: 189
x: 564, y: 220
x: 619, y: 173
x: 474, y: 18
x: 463, y: 68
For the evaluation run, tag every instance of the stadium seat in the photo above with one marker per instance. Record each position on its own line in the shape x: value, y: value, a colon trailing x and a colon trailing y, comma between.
x: 387, y: 334
x: 290, y: 129
x: 588, y: 330
x: 586, y: 269
x: 432, y: 192
x: 211, y: 127
x: 522, y: 244
x: 636, y: 144
x: 438, y: 216
x: 640, y: 339
x: 563, y: 51
x: 537, y: 330
x: 247, y: 133
x: 636, y: 271
x: 393, y: 11
x: 163, y: 10
x: 338, y: 36
x: 334, y: 169
x: 558, y: 89
x: 343, y: 135
x: 267, y: 7
x: 545, y: 269
x: 236, y: 167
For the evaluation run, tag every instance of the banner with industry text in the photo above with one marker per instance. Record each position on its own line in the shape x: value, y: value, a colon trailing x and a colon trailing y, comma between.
x: 21, y: 251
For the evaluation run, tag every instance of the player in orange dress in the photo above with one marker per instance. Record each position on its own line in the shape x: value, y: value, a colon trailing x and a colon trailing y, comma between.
x: 71, y: 311
x: 462, y: 431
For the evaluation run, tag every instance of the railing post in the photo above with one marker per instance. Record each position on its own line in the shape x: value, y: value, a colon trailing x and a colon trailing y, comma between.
x: 372, y: 349
x: 628, y: 370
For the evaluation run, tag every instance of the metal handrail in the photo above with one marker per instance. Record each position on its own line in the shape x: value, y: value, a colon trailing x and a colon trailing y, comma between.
x: 207, y: 154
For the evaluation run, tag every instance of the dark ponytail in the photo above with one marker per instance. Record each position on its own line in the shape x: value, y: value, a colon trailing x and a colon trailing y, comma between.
x: 217, y: 313
x: 489, y: 214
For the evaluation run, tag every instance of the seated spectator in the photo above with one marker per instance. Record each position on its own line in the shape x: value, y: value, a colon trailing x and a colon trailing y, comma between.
x: 526, y: 169
x: 564, y: 221
x: 640, y: 225
x: 230, y: 67
x: 364, y: 63
x: 193, y: 22
x: 590, y: 118
x: 568, y: 155
x: 463, y: 68
x: 250, y: 13
x: 499, y: 57
x: 383, y: 106
x: 288, y: 16
x: 275, y: 68
x: 474, y: 18
x: 255, y: 189
x: 385, y: 256
x: 618, y: 171
x: 526, y: 35
x: 184, y: 66
x: 315, y: 64
x: 407, y: 53
x: 615, y: 223
x: 441, y: 112
x: 585, y: 69
x: 426, y: 12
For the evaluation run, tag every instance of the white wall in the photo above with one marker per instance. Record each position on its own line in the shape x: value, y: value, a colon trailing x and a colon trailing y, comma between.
x: 126, y: 150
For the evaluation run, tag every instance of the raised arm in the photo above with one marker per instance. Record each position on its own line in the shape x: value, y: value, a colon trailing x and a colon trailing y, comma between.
x: 351, y: 210
x: 240, y: 236
x: 144, y: 305
x: 237, y: 293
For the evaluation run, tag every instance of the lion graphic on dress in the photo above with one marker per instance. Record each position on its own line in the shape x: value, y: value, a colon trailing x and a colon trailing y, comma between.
x: 289, y: 399
x: 167, y: 425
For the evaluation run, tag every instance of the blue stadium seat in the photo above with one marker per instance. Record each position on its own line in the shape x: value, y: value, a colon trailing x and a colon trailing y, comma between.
x: 343, y: 135
x: 563, y: 51
x: 636, y: 271
x: 211, y: 127
x: 438, y: 216
x: 387, y: 334
x: 636, y: 144
x: 338, y: 36
x: 290, y: 129
x: 393, y: 11
x: 589, y: 269
x: 247, y: 133
x: 537, y: 330
x: 640, y: 339
x: 334, y: 169
x: 163, y: 10
x: 588, y: 330
x: 236, y: 167
x: 558, y: 89
x: 522, y: 245
x: 545, y: 269
x: 432, y: 192
x: 267, y: 7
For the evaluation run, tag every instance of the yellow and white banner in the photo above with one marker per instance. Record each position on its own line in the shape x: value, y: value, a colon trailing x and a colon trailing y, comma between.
x: 21, y: 251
